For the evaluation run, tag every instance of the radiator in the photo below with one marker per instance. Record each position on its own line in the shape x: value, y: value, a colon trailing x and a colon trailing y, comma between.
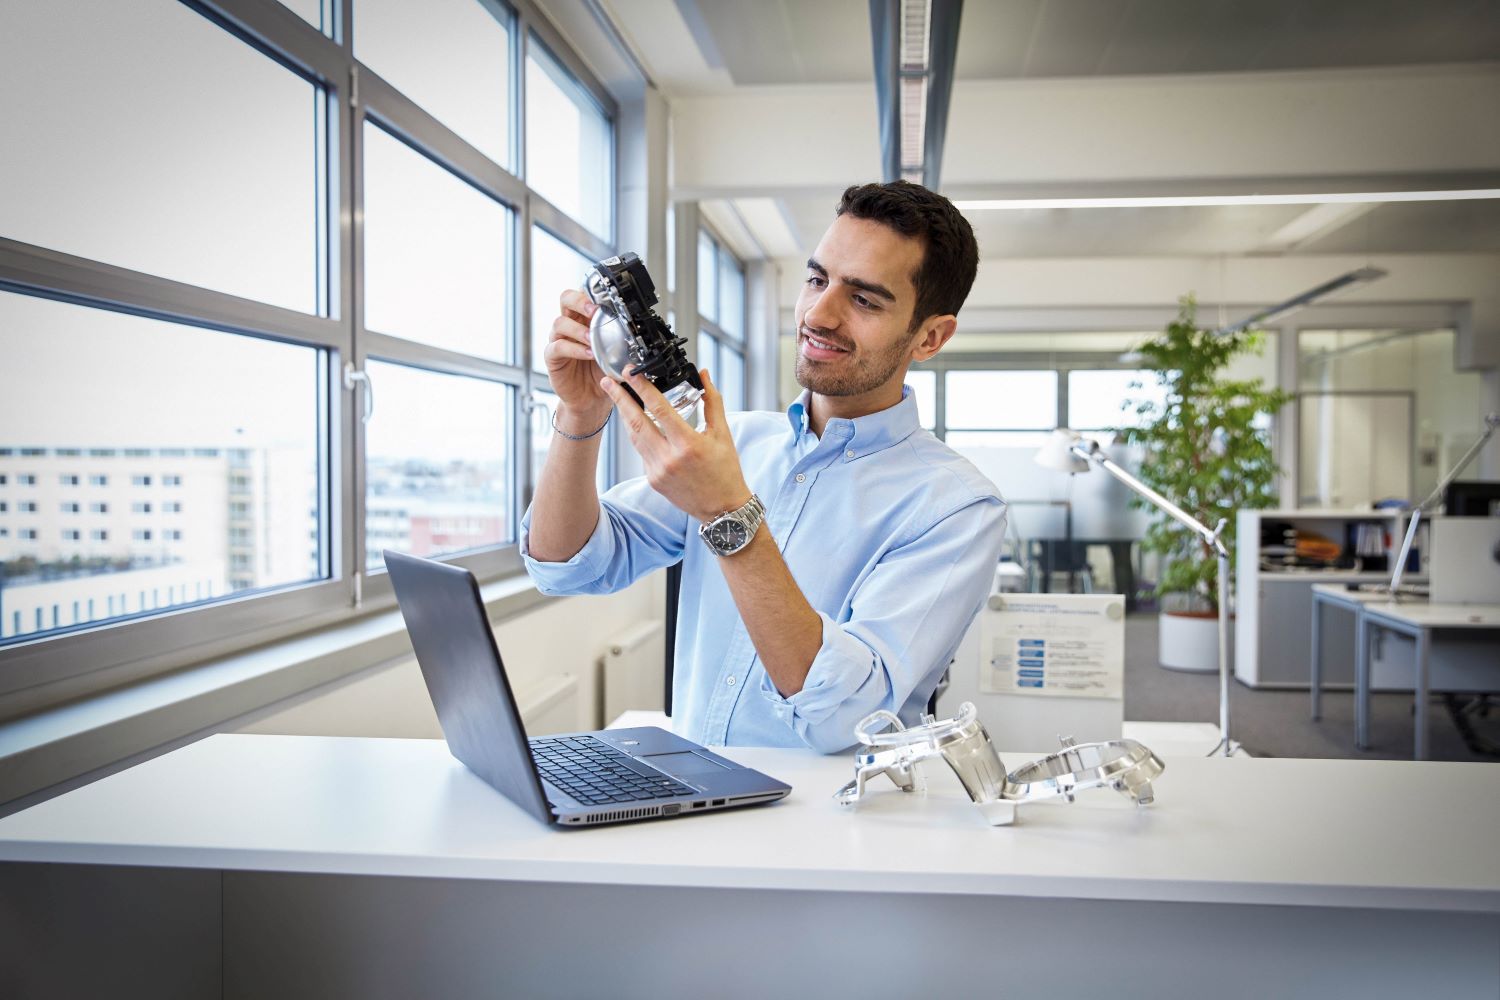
x: 634, y: 671
x: 550, y: 707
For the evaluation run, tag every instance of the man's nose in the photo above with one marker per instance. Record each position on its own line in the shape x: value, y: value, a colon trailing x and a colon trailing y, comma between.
x: 822, y: 312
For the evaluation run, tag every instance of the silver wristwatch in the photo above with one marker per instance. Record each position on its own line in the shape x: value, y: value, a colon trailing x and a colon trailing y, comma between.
x: 732, y: 530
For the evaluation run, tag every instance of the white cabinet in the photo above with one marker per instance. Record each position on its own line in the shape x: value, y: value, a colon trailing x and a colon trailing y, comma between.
x: 1273, y: 624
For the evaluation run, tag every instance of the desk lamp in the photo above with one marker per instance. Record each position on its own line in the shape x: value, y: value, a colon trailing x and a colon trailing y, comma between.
x: 1068, y: 451
x: 1491, y: 423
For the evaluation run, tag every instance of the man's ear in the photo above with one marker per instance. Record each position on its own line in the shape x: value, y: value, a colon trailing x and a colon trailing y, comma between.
x: 936, y: 331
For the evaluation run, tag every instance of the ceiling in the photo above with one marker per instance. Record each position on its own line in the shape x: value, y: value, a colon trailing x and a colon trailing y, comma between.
x: 804, y: 41
x: 708, y: 49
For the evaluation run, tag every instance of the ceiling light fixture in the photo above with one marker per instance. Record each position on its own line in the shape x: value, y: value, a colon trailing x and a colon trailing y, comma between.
x: 1281, y: 310
x: 1196, y: 201
x: 915, y: 43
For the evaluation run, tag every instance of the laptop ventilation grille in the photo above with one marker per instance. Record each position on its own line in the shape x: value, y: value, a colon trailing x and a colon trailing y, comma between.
x: 612, y: 817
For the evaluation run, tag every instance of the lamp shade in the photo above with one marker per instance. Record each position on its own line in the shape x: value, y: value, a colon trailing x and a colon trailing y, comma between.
x: 1058, y: 452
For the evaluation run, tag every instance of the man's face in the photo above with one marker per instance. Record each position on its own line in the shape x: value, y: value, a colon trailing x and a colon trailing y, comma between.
x: 854, y: 315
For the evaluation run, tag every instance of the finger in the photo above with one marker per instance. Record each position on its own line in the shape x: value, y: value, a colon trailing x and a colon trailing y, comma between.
x: 576, y: 302
x: 567, y: 328
x: 667, y: 419
x: 713, y: 404
x: 558, y: 350
x: 643, y: 433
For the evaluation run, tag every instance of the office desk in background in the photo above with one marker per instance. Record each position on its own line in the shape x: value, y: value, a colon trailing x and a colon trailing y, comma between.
x: 1449, y: 630
x: 292, y: 867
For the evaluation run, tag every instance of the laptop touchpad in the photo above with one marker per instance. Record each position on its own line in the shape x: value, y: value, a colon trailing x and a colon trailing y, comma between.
x: 683, y: 764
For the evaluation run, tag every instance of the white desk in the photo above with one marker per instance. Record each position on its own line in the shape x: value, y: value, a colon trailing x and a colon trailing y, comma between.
x: 302, y: 866
x: 1334, y: 595
x: 1423, y: 622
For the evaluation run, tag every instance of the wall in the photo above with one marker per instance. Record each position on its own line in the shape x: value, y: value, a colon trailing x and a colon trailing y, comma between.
x: 563, y: 636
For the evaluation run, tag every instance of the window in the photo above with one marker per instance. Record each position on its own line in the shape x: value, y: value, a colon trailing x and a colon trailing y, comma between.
x: 4, y: 506
x: 1107, y: 399
x: 1000, y: 408
x: 573, y: 168
x: 161, y: 406
x: 450, y: 56
x: 924, y: 387
x: 217, y: 233
x: 179, y: 178
x: 71, y: 535
x: 436, y: 465
x: 27, y: 533
x: 436, y: 253
x: 555, y: 267
x: 27, y: 506
x: 721, y: 319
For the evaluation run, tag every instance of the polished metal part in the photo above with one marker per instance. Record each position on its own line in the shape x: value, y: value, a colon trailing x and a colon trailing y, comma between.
x: 618, y: 350
x: 891, y: 749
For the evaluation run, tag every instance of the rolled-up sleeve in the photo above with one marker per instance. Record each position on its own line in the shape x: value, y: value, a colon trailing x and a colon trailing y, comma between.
x: 638, y: 531
x: 904, y: 622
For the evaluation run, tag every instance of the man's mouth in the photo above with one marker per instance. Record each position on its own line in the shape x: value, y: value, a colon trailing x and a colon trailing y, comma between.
x: 820, y: 350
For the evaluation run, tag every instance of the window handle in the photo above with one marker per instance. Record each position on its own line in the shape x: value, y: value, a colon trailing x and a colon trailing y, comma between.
x: 353, y: 376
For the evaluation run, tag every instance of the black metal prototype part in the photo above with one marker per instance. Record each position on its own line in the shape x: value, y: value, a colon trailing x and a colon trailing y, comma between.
x: 656, y: 350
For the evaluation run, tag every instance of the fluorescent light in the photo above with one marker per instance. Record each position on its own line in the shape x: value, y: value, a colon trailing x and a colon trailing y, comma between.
x: 1191, y: 201
x: 1356, y: 277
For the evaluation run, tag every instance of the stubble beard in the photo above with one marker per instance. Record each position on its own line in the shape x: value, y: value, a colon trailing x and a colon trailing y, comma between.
x: 864, y: 375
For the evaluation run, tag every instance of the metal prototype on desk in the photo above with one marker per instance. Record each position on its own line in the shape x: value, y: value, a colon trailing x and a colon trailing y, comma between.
x: 891, y: 749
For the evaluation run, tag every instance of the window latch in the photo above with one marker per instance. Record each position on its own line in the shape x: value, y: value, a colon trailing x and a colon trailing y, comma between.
x: 354, y: 376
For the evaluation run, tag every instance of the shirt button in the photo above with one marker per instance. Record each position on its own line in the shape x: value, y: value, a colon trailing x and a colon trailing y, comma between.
x: 801, y: 478
x: 730, y: 682
x: 849, y: 453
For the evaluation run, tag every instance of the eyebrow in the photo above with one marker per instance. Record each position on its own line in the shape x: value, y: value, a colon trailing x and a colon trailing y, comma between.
x: 874, y: 288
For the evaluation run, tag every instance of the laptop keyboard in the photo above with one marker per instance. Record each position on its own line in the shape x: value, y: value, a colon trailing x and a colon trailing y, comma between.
x: 595, y: 773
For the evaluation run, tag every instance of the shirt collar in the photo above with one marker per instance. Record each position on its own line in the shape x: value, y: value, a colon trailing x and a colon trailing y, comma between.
x: 862, y: 435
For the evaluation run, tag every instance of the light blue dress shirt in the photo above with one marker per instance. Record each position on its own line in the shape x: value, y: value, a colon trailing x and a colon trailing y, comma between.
x: 891, y: 535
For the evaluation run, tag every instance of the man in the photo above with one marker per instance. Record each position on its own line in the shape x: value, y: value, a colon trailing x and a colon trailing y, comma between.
x: 878, y: 544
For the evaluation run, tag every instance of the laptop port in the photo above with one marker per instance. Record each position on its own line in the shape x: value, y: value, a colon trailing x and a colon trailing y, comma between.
x: 718, y: 802
x: 699, y: 805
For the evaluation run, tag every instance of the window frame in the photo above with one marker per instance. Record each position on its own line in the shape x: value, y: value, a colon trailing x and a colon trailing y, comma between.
x: 40, y: 672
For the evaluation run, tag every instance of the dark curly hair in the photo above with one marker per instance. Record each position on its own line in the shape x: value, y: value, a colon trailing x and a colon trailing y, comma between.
x: 950, y: 255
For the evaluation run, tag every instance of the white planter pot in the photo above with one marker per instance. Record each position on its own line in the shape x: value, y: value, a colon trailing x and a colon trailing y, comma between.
x: 1191, y: 643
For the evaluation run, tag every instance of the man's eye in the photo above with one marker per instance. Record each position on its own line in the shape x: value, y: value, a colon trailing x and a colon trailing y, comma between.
x: 864, y: 303
x: 816, y: 280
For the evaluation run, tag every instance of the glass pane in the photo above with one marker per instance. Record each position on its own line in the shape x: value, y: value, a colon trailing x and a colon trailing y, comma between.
x: 173, y: 486
x: 450, y: 56
x: 708, y: 273
x: 1011, y: 400
x: 555, y: 267
x: 1025, y: 440
x: 708, y: 354
x: 437, y: 253
x: 436, y: 472
x: 570, y: 160
x: 924, y: 387
x: 732, y: 382
x: 541, y: 440
x: 318, y: 13
x: 146, y: 136
x: 1104, y: 399
x: 731, y: 296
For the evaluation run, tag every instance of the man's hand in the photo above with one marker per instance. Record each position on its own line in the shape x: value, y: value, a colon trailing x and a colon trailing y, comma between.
x: 570, y: 364
x: 699, y: 472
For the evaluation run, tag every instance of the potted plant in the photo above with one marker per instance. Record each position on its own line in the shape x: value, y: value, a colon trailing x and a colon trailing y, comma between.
x: 1206, y: 445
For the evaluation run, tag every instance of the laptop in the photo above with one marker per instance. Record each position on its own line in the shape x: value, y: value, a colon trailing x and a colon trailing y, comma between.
x: 573, y: 779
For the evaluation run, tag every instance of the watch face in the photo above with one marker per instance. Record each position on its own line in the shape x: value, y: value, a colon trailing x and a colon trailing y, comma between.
x: 727, y: 535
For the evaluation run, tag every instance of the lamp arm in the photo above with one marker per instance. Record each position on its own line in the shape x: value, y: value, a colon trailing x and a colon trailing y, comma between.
x: 1491, y: 424
x: 1091, y: 451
